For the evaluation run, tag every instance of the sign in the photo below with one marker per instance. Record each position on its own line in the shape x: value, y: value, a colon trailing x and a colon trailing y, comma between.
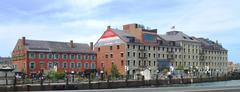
x: 108, y: 38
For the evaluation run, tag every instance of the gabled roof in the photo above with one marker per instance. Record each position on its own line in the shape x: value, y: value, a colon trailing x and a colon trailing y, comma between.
x: 178, y: 36
x: 53, y: 46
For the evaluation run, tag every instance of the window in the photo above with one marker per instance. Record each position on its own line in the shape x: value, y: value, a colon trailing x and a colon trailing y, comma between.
x: 55, y: 64
x: 50, y: 65
x: 133, y: 46
x: 121, y: 54
x: 41, y: 55
x: 128, y: 54
x: 50, y: 56
x: 134, y: 63
x: 72, y: 56
x: 79, y: 65
x: 72, y: 65
x: 149, y: 63
x: 118, y: 47
x: 86, y: 66
x: 111, y: 55
x: 106, y: 56
x: 111, y: 47
x: 31, y: 55
x: 149, y: 37
x: 93, y: 57
x: 64, y: 56
x: 79, y: 57
x: 92, y: 66
x: 122, y: 63
x: 41, y: 64
x: 128, y: 62
x: 32, y: 65
x: 56, y: 56
x: 86, y: 57
x: 133, y: 54
x: 154, y: 63
x: 98, y: 49
x: 64, y: 65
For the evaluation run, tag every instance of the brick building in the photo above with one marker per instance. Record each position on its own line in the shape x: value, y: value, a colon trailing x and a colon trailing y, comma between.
x: 137, y: 50
x: 34, y: 56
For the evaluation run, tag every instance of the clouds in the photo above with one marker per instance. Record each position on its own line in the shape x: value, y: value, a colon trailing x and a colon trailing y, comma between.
x: 85, y: 20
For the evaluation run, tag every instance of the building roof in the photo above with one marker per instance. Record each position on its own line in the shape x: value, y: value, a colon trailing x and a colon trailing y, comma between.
x: 5, y: 60
x: 122, y: 34
x: 177, y: 36
x: 211, y: 45
x: 53, y: 46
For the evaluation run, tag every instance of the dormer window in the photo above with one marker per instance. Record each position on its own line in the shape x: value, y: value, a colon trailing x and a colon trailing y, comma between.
x: 184, y: 37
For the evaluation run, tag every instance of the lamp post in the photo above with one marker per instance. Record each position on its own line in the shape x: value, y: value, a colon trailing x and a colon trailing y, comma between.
x: 66, y: 75
x: 126, y: 69
x: 72, y: 76
x: 101, y: 72
x: 217, y: 74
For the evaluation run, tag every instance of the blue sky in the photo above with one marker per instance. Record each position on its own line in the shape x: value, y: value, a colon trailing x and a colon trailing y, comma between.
x: 85, y: 20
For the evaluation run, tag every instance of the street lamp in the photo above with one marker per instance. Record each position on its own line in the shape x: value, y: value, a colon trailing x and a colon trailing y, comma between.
x: 126, y: 69
x: 101, y: 72
x: 72, y: 76
x: 66, y: 75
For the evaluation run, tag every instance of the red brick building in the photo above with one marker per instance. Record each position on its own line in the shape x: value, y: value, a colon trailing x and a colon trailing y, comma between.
x: 34, y: 56
x: 132, y: 50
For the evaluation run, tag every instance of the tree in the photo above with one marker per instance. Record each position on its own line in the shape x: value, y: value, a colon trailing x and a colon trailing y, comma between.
x: 114, y: 71
x: 59, y: 75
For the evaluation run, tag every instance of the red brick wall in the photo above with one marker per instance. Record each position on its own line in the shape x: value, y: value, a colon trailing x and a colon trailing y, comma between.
x: 107, y: 62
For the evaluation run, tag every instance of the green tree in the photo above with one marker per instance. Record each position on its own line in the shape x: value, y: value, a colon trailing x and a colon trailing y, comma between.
x: 59, y: 75
x: 114, y: 72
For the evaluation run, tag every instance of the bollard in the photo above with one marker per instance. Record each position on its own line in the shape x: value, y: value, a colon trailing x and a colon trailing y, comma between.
x: 28, y: 87
x: 89, y: 81
x: 143, y: 81
x: 126, y: 80
x: 108, y: 82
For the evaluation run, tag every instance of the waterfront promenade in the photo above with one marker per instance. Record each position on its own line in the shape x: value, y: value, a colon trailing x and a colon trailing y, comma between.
x: 111, y: 84
x: 220, y: 86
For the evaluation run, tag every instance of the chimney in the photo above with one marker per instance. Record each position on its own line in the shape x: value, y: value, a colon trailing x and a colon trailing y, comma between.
x: 91, y: 46
x: 108, y: 27
x: 71, y: 43
x: 24, y: 40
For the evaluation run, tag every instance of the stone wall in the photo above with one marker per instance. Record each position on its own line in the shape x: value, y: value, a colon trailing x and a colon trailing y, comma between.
x: 109, y: 85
